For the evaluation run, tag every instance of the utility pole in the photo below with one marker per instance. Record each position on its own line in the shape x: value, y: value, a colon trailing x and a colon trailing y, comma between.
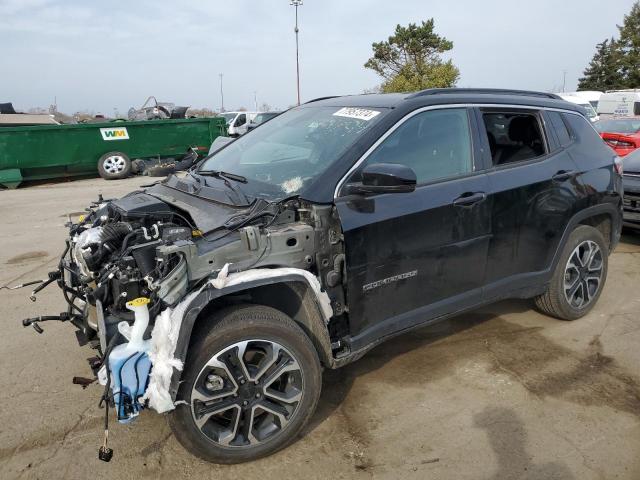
x: 221, y: 93
x: 564, y: 81
x: 255, y: 101
x: 297, y: 3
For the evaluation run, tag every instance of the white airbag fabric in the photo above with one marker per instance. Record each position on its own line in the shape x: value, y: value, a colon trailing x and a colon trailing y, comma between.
x: 164, y: 336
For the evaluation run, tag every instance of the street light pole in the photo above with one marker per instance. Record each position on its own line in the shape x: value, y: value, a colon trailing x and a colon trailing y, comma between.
x: 221, y: 94
x: 297, y: 3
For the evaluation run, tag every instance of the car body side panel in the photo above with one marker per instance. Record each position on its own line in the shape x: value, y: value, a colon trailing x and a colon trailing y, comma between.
x: 529, y: 213
x: 407, y: 251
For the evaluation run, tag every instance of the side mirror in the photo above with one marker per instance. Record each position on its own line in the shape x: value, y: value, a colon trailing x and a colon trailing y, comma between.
x: 384, y: 178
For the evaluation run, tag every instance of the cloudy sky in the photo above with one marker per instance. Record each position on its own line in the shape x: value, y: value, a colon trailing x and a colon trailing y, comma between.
x: 99, y: 55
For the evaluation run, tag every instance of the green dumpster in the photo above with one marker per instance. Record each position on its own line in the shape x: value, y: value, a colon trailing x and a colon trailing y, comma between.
x: 50, y: 151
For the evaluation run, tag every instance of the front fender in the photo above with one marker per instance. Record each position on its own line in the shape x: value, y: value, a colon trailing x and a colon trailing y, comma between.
x: 235, y: 283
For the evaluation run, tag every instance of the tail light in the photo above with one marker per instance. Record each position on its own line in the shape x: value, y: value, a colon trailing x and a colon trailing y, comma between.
x: 617, y: 165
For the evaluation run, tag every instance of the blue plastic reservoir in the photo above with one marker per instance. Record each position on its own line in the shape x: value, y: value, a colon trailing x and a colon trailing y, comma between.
x: 129, y: 376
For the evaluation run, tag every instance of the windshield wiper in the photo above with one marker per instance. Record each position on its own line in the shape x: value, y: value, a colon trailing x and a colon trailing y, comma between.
x: 220, y: 173
x: 225, y: 177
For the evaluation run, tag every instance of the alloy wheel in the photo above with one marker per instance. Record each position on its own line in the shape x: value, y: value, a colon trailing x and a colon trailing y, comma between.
x: 247, y: 393
x: 114, y: 164
x: 583, y: 274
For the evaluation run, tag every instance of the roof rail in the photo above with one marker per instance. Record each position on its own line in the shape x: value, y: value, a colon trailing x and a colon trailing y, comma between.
x: 321, y: 98
x: 483, y: 91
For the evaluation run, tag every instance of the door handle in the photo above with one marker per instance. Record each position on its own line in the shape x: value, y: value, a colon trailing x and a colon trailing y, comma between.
x: 563, y: 175
x: 469, y: 199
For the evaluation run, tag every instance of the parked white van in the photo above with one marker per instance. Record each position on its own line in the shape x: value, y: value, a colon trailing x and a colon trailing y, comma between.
x: 571, y: 97
x: 237, y: 122
x: 591, y: 96
x: 625, y: 103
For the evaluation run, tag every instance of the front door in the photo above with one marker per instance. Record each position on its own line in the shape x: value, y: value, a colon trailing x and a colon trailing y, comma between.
x: 411, y: 257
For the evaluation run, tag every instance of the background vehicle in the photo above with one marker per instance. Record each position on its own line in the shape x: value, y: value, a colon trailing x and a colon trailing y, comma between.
x: 312, y: 240
x: 591, y: 96
x: 620, y: 133
x: 261, y: 118
x: 237, y: 122
x: 10, y: 118
x: 631, y: 180
x: 154, y: 110
x: 584, y: 103
x: 620, y: 103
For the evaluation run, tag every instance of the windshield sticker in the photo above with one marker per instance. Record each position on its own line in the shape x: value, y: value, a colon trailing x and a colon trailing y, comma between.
x: 292, y: 185
x: 358, y: 113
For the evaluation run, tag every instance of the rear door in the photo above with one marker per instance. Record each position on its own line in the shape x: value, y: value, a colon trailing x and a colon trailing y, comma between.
x: 414, y: 256
x: 533, y: 193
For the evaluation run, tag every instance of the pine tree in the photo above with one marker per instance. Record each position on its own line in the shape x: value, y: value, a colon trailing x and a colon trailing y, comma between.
x: 411, y: 59
x: 629, y: 46
x: 604, y: 70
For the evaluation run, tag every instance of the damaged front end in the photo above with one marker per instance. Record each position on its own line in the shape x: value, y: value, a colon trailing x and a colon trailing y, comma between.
x: 132, y: 267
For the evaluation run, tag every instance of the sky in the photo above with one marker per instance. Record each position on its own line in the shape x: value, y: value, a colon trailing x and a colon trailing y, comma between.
x: 99, y: 56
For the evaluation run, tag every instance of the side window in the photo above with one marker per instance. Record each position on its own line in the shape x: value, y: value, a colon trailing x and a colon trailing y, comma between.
x: 513, y: 136
x: 560, y: 128
x: 435, y: 144
x: 583, y: 130
x: 241, y: 120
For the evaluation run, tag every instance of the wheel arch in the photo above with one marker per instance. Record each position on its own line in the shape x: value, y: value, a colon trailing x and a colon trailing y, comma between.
x: 605, y: 217
x: 291, y: 294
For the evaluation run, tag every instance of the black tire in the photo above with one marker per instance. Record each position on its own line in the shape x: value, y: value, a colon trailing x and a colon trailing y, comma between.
x: 554, y: 302
x: 114, y: 166
x: 224, y: 329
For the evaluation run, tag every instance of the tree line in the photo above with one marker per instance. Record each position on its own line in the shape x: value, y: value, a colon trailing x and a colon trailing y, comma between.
x: 616, y: 63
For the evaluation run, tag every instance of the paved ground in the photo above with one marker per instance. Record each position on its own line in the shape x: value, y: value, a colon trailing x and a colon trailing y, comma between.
x: 496, y: 394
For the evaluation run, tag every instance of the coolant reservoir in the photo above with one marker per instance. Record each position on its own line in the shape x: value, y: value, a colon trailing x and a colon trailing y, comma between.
x: 129, y: 364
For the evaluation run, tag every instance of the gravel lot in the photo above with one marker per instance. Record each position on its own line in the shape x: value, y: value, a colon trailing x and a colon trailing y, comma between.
x: 500, y: 393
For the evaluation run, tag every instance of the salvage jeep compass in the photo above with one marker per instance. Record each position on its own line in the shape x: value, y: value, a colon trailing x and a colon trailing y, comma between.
x: 219, y: 295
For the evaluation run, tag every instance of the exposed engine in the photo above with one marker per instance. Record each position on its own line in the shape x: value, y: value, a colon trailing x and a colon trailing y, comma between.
x: 140, y: 246
x: 130, y: 259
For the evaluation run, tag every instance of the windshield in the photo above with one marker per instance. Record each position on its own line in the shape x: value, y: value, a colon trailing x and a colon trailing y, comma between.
x: 622, y: 125
x: 228, y: 116
x: 288, y: 152
x: 263, y: 117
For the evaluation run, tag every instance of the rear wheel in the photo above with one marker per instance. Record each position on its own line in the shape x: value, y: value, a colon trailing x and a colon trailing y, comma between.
x: 579, y: 277
x: 114, y: 165
x: 250, y: 384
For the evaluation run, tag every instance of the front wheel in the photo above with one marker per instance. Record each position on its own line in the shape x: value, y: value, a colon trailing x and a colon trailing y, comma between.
x: 579, y: 277
x: 250, y: 384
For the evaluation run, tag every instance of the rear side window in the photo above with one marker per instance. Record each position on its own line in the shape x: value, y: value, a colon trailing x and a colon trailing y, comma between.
x: 560, y: 128
x: 513, y: 136
x: 436, y: 144
x: 581, y: 127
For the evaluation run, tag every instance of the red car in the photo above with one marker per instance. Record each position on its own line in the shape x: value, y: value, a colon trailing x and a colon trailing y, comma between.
x: 621, y: 134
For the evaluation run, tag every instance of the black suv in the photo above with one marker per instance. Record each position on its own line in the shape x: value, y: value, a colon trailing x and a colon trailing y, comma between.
x: 336, y: 225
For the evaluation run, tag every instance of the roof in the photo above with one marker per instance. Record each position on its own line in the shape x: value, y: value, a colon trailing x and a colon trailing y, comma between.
x: 438, y: 96
x: 15, y: 119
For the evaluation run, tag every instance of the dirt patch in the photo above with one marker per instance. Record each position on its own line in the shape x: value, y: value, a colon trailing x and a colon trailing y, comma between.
x: 547, y: 369
x: 27, y: 257
x: 544, y: 368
